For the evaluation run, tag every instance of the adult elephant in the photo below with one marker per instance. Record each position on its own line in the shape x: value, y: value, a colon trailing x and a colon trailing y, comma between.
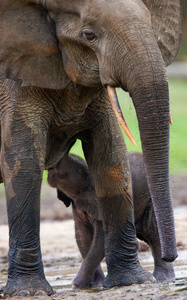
x: 56, y: 60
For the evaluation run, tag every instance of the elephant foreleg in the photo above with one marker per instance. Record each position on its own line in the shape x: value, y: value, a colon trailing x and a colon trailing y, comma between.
x: 107, y: 160
x: 22, y: 157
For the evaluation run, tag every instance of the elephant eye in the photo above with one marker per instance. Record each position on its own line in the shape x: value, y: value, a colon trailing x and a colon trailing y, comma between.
x: 76, y: 171
x: 89, y: 35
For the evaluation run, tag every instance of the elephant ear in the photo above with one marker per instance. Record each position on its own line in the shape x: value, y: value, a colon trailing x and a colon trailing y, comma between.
x: 166, y: 16
x: 28, y: 50
x: 64, y: 198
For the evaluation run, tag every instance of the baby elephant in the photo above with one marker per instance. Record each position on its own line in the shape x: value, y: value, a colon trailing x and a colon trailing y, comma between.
x: 72, y: 179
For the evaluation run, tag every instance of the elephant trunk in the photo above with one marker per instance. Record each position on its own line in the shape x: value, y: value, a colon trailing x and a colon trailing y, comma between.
x: 153, y: 119
x: 147, y: 84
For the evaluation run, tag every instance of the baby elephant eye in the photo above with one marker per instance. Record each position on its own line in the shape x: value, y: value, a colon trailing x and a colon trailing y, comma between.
x: 76, y: 171
x: 89, y: 35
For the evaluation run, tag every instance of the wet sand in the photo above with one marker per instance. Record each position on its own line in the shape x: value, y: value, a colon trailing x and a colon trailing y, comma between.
x: 62, y: 260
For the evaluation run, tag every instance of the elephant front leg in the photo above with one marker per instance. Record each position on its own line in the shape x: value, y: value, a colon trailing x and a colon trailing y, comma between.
x: 22, y: 161
x: 121, y: 245
x: 90, y: 240
x: 109, y: 168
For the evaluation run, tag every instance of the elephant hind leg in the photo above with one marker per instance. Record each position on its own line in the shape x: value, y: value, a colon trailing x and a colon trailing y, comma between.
x: 147, y: 230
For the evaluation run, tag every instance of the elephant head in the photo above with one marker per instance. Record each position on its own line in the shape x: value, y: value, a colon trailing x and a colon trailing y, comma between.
x: 120, y: 43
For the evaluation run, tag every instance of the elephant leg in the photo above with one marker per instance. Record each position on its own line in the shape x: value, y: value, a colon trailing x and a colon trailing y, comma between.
x: 22, y: 157
x: 148, y: 231
x: 107, y: 160
x: 96, y: 255
x: 1, y: 178
x: 90, y: 240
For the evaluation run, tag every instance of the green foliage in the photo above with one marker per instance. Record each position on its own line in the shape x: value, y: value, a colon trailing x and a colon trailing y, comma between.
x: 178, y: 100
x: 77, y: 149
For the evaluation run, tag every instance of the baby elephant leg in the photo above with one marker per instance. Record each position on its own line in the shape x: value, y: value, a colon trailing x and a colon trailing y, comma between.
x: 90, y: 240
x: 145, y: 221
x: 148, y: 231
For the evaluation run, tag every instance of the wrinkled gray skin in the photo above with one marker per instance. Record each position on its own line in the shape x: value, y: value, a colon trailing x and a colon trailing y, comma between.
x: 72, y: 179
x: 56, y: 59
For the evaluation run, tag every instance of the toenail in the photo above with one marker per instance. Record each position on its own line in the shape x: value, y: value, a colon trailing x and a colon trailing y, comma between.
x: 23, y: 293
x: 40, y: 293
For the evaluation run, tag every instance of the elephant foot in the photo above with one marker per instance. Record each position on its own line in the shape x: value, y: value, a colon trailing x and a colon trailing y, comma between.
x: 81, y: 282
x: 132, y: 275
x: 84, y: 280
x: 98, y: 279
x: 27, y: 286
x: 164, y: 272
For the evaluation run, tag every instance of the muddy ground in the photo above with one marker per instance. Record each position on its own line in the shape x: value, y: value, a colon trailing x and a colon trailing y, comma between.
x: 62, y: 259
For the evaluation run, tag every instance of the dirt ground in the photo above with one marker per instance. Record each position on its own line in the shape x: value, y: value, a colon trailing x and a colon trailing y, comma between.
x: 62, y: 259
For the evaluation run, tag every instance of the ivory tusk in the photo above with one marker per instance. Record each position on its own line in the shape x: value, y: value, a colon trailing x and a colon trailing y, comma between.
x: 116, y: 107
x: 170, y: 118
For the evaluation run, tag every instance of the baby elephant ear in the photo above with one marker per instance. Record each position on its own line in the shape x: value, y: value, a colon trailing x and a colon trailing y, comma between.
x: 64, y: 198
x: 166, y: 16
x: 28, y: 50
